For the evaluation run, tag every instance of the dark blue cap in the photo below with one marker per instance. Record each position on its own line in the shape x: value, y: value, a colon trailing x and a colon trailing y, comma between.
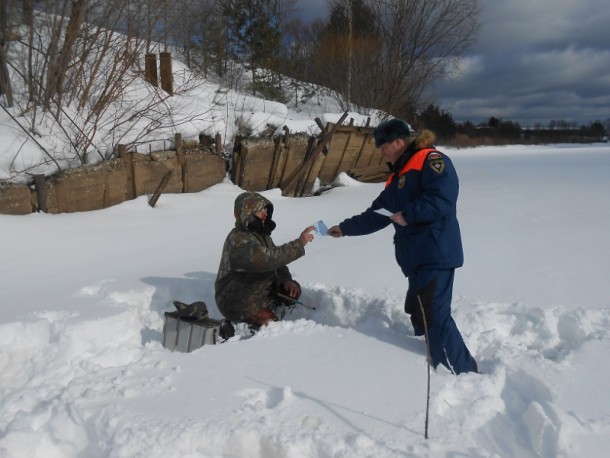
x: 390, y: 130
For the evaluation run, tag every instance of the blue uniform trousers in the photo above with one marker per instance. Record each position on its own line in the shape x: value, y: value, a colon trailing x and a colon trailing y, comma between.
x: 435, y: 288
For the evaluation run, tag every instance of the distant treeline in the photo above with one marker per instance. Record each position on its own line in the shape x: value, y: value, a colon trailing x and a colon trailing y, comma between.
x: 500, y: 132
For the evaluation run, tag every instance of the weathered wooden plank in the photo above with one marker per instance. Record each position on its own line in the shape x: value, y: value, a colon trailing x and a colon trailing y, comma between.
x: 290, y: 182
x: 15, y: 199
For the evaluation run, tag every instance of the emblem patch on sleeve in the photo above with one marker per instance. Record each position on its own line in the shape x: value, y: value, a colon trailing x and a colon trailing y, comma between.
x: 401, y: 181
x: 438, y: 165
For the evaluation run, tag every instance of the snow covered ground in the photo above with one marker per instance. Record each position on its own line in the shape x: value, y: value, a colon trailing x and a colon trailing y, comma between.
x: 82, y: 297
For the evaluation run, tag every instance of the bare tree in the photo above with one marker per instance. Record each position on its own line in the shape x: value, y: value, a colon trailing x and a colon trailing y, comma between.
x: 426, y: 39
x: 80, y: 62
x: 398, y: 48
x: 56, y: 73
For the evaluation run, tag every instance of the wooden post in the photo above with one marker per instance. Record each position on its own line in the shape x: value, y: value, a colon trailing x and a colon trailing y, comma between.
x: 308, y: 179
x: 150, y: 69
x: 277, y: 142
x: 320, y: 125
x: 235, y: 161
x: 288, y: 184
x: 179, y: 144
x: 155, y: 197
x: 167, y: 82
x: 342, y: 158
x: 359, y: 153
x: 220, y: 152
x: 286, y: 136
x: 218, y: 144
x: 40, y: 185
x: 127, y: 161
x: 122, y: 152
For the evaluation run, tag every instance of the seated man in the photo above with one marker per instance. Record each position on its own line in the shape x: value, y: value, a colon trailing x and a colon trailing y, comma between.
x: 252, y: 268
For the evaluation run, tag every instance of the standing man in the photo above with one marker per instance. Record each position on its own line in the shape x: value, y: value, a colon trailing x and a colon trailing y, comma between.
x: 421, y: 195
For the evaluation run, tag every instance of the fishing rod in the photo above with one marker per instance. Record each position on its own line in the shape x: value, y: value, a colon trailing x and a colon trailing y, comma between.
x: 292, y: 300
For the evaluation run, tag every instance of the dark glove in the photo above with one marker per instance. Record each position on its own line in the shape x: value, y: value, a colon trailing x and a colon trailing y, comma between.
x: 289, y: 291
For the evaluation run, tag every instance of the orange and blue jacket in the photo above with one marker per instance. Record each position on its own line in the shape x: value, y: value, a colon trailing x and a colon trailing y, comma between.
x: 424, y: 187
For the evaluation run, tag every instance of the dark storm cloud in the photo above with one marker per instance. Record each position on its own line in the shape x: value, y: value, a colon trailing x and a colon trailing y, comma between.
x: 534, y: 61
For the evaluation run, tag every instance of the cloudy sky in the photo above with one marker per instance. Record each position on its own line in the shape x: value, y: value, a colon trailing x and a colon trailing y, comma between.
x: 534, y: 61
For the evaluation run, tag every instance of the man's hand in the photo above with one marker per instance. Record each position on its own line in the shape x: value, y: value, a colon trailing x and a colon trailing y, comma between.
x: 306, y: 236
x: 398, y: 219
x: 335, y: 231
x: 292, y: 288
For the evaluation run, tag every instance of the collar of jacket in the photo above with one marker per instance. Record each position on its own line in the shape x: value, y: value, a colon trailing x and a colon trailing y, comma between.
x: 414, y: 162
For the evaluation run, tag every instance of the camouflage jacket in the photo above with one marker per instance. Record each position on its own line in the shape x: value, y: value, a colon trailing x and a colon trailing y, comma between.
x: 252, y: 267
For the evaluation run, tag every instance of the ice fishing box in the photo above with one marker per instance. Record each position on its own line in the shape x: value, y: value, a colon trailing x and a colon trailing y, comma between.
x: 185, y: 333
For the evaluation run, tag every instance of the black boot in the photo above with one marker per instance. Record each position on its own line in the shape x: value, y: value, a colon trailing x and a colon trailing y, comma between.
x: 226, y: 330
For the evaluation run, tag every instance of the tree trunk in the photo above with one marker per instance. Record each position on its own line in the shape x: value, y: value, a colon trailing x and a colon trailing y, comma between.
x: 57, y: 68
x: 5, y: 83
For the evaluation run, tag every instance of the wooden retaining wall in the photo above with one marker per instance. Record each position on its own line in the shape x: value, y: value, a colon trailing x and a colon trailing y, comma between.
x: 292, y: 163
x: 113, y: 182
